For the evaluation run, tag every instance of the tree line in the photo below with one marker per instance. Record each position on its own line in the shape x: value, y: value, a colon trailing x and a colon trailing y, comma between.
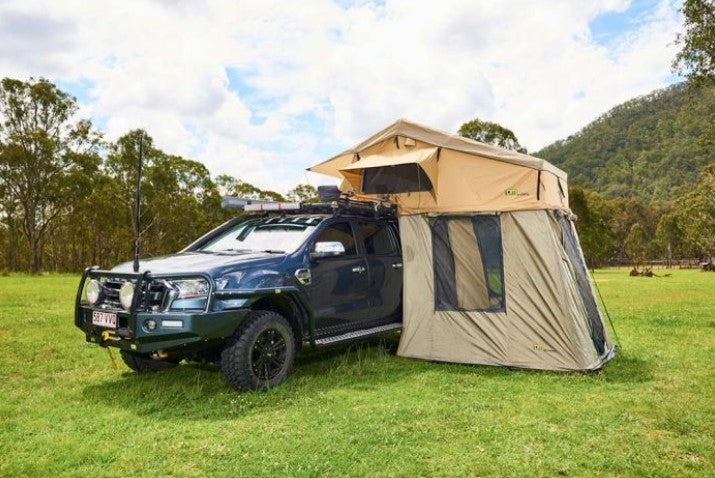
x: 618, y: 230
x: 642, y: 177
x: 67, y: 195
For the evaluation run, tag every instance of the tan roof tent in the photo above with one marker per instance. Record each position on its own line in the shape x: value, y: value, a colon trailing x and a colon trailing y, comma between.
x: 454, y: 173
x: 493, y: 271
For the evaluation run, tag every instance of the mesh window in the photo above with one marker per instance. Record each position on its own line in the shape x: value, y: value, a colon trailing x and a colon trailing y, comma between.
x: 377, y: 238
x: 573, y: 251
x: 403, y: 178
x: 339, y: 232
x: 467, y: 258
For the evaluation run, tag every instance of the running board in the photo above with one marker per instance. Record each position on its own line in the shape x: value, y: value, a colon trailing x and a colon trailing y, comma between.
x: 358, y: 334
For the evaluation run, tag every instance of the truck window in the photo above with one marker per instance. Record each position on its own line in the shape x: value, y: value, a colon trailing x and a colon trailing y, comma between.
x: 340, y: 232
x: 276, y: 234
x: 377, y: 238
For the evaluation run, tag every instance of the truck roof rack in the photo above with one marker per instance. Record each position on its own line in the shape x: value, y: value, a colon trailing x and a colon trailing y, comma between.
x: 343, y: 205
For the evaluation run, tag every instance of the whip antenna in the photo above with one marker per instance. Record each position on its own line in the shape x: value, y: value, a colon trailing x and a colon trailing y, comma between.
x: 137, y: 229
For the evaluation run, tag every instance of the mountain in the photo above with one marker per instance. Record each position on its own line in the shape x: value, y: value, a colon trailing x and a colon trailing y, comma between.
x: 652, y: 147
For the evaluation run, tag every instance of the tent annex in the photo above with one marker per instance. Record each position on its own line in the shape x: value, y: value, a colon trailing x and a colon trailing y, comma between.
x: 493, y: 270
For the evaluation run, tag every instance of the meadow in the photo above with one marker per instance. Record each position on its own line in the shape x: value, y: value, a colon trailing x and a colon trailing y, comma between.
x: 359, y: 410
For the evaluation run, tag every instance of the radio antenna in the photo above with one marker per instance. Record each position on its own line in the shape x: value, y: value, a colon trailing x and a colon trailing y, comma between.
x: 137, y: 229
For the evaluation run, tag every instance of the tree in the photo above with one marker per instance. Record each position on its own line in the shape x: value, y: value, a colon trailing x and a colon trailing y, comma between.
x: 668, y: 235
x: 697, y: 214
x: 594, y: 232
x: 696, y: 58
x: 230, y: 186
x: 636, y: 244
x: 491, y: 133
x: 183, y: 202
x: 647, y: 148
x: 122, y: 166
x: 304, y: 193
x: 46, y: 157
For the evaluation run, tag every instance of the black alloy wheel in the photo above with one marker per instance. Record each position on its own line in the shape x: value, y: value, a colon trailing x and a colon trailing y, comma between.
x: 260, y: 354
x: 268, y: 354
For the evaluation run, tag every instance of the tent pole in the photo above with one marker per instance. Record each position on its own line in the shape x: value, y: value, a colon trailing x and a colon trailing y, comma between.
x: 605, y: 309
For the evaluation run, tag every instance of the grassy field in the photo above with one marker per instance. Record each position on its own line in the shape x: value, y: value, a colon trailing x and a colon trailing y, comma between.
x: 360, y: 410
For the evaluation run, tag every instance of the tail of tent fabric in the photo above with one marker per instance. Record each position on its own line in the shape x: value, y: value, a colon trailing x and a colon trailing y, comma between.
x: 508, y: 289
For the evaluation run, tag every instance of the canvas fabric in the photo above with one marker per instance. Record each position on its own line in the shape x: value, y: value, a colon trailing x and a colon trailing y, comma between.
x: 466, y: 175
x: 544, y: 324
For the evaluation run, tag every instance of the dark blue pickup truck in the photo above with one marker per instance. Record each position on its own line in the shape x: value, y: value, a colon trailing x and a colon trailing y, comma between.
x: 251, y: 292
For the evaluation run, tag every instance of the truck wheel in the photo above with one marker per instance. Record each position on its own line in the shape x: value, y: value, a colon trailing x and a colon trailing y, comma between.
x: 260, y: 354
x: 145, y: 362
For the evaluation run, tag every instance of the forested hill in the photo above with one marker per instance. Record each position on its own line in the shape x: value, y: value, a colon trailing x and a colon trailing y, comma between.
x: 651, y: 147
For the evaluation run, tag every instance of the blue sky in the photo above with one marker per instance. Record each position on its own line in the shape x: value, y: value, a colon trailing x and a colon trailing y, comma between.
x: 263, y: 91
x: 608, y: 27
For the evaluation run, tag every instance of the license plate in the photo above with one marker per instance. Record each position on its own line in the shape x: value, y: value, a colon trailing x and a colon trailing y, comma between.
x: 104, y: 319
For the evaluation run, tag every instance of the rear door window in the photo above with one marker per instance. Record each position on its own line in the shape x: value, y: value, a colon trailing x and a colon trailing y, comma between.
x: 377, y: 238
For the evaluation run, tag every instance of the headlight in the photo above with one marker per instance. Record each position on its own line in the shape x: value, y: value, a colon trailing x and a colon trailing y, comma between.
x: 126, y: 295
x: 189, y: 294
x: 93, y: 291
x: 191, y: 288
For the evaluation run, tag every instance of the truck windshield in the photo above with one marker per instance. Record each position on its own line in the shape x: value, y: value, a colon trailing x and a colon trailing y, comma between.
x: 274, y: 234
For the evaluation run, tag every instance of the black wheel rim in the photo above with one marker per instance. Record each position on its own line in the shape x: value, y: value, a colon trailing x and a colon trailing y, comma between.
x: 268, y: 354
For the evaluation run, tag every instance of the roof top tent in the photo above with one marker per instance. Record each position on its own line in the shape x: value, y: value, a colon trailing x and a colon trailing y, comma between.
x: 493, y: 270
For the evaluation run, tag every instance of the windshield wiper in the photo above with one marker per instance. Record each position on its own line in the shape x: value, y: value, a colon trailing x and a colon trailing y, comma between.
x: 274, y: 251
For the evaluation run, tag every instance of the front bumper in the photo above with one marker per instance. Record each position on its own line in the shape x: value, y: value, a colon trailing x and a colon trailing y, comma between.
x: 173, y: 330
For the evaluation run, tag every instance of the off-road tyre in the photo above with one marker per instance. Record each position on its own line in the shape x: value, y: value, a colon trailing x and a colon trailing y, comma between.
x: 145, y: 362
x: 260, y: 354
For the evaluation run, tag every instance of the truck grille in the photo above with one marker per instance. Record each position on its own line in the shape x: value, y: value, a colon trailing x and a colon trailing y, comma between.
x: 152, y: 297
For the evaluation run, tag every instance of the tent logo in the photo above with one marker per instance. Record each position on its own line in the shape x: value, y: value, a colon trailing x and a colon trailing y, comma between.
x: 543, y: 348
x: 514, y: 192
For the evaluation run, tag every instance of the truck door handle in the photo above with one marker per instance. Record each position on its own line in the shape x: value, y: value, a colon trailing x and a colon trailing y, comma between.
x: 397, y: 265
x: 359, y: 269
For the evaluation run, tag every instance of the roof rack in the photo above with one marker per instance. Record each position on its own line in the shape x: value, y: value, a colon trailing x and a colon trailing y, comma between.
x: 343, y: 205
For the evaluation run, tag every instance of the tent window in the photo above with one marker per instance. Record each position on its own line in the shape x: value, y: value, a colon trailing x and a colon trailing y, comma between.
x: 468, y: 266
x: 403, y: 178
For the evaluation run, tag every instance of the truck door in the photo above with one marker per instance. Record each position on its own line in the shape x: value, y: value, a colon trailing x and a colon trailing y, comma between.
x: 338, y: 292
x: 384, y: 261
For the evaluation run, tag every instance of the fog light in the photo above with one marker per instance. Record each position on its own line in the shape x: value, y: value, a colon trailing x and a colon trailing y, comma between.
x: 92, y: 292
x: 150, y: 325
x: 126, y: 295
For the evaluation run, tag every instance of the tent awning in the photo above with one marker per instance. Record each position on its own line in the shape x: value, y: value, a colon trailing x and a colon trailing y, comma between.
x: 425, y: 158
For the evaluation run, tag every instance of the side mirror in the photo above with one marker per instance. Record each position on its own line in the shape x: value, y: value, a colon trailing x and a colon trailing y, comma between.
x: 327, y: 249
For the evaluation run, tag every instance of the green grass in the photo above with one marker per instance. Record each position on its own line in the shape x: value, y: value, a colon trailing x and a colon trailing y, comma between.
x: 360, y: 410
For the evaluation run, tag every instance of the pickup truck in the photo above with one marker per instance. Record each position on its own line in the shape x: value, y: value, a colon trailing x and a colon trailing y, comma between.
x: 250, y: 293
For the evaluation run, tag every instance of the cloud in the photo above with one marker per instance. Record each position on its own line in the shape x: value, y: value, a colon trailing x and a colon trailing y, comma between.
x: 261, y: 90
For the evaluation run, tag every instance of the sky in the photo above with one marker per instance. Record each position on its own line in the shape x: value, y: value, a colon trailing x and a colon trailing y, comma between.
x: 263, y: 89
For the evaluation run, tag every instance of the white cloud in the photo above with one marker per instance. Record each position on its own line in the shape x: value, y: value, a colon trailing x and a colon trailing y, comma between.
x: 317, y: 77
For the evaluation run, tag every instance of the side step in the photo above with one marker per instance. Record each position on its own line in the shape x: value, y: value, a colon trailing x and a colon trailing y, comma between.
x: 358, y: 334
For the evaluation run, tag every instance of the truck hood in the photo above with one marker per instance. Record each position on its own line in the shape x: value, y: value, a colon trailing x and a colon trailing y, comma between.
x: 212, y: 263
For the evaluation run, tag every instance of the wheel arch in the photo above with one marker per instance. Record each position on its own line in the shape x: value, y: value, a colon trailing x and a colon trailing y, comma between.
x: 288, y: 307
